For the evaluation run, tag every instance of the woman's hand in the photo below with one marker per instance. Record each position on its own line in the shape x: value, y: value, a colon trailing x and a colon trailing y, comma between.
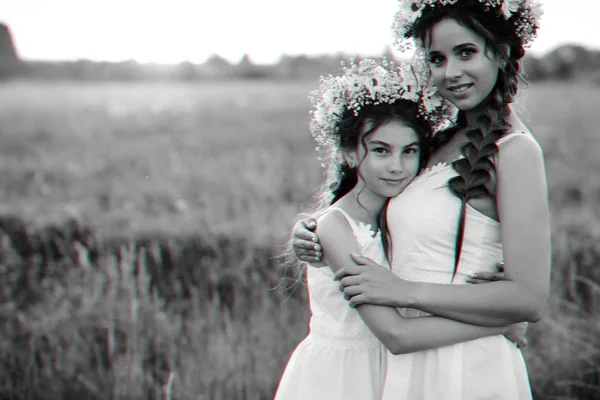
x: 369, y: 282
x: 305, y: 241
x: 485, y: 277
x: 516, y: 334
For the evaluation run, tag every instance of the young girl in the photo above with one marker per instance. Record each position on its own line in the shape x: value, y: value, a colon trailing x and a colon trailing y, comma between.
x: 482, y: 196
x: 374, y: 138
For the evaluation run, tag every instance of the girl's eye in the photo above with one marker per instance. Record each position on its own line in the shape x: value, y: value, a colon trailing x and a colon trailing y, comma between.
x: 411, y: 151
x: 436, y: 60
x: 380, y: 150
x: 467, y: 53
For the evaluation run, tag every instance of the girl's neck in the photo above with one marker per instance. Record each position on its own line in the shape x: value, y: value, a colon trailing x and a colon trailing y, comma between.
x: 362, y: 204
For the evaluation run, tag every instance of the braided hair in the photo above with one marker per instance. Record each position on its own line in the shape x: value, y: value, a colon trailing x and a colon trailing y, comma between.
x: 475, y: 167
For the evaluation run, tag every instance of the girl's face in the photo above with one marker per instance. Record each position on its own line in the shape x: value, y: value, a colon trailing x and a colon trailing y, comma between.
x: 390, y: 159
x: 463, y: 70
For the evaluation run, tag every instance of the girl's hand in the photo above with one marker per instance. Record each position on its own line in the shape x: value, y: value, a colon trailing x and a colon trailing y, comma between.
x: 305, y: 241
x: 369, y: 282
x: 516, y: 334
x: 485, y: 277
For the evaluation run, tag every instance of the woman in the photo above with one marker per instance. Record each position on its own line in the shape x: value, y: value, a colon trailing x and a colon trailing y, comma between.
x: 375, y: 137
x: 446, y: 225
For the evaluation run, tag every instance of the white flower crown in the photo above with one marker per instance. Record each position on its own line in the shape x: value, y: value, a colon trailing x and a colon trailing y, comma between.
x: 524, y: 15
x: 369, y: 82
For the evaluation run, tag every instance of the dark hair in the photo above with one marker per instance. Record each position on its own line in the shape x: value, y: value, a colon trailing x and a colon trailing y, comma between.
x: 502, y: 40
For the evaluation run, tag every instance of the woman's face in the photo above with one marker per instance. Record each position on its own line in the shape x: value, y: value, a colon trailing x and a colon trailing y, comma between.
x: 390, y: 159
x: 463, y: 70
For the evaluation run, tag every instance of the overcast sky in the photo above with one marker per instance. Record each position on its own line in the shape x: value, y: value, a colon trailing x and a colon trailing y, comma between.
x: 171, y: 31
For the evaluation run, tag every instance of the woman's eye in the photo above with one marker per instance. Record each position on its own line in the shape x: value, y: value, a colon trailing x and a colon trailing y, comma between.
x: 466, y: 53
x: 380, y: 150
x: 410, y: 151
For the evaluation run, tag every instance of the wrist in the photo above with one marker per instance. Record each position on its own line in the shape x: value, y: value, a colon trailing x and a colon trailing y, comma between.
x: 412, y: 296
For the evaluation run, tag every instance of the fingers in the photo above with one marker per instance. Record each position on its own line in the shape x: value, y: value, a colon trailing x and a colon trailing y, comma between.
x: 481, y: 277
x: 347, y: 271
x: 476, y: 281
x: 308, y: 255
x: 303, y: 235
x: 351, y: 291
x: 349, y: 280
x: 358, y: 259
x: 357, y: 300
x: 522, y: 343
x: 361, y: 260
x: 310, y: 224
x: 484, y: 277
x: 304, y: 230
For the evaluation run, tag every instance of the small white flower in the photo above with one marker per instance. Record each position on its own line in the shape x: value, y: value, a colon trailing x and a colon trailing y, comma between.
x: 431, y: 99
x: 364, y: 234
x: 536, y: 12
x: 413, y: 10
x: 411, y: 84
x: 509, y: 7
x: 320, y: 113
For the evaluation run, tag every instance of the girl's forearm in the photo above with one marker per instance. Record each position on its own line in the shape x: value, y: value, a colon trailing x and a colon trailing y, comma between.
x: 490, y: 304
x: 407, y: 335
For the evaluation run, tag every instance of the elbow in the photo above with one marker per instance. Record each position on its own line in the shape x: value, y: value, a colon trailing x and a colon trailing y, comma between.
x: 536, y: 306
x: 532, y: 312
x: 532, y: 305
x: 534, y: 317
x: 399, y: 344
x: 395, y: 348
x: 392, y: 340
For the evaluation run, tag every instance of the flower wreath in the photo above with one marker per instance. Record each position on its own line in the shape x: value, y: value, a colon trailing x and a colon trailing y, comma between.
x: 369, y: 82
x: 524, y: 15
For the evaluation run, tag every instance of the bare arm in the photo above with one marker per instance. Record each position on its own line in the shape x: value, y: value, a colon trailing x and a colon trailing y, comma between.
x: 398, y: 334
x: 525, y: 234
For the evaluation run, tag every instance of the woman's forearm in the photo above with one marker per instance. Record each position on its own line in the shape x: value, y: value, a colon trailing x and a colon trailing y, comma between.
x: 490, y: 304
x: 407, y: 335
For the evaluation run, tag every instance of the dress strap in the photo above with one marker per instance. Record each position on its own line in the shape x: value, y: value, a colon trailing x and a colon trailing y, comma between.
x: 509, y: 137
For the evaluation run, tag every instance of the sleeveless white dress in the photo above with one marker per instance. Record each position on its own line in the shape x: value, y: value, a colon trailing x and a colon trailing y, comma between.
x: 423, y: 224
x: 340, y: 359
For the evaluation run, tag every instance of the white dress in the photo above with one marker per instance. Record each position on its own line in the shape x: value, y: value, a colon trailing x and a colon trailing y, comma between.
x: 423, y: 223
x: 340, y: 359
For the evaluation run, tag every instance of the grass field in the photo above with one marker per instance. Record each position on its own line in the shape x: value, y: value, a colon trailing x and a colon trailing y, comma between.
x: 195, y: 186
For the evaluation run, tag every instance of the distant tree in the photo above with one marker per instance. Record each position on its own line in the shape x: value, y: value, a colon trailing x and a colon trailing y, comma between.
x: 10, y: 64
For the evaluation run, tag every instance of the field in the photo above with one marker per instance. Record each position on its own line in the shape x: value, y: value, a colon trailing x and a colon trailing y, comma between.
x: 140, y: 224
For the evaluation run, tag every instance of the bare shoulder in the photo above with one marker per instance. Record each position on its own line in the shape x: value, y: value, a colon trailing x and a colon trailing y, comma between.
x: 521, y: 150
x: 332, y: 225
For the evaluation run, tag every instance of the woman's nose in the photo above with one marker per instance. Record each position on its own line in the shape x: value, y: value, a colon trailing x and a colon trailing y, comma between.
x: 453, y: 69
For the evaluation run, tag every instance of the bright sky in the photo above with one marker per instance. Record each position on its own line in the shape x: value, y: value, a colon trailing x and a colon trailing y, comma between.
x: 171, y: 31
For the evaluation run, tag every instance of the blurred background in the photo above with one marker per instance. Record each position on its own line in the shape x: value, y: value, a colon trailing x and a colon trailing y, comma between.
x: 153, y: 155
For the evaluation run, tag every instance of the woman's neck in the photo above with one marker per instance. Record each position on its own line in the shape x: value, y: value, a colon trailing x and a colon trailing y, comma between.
x: 473, y: 116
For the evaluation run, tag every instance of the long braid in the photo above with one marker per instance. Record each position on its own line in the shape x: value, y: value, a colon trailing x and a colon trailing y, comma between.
x: 476, y: 164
